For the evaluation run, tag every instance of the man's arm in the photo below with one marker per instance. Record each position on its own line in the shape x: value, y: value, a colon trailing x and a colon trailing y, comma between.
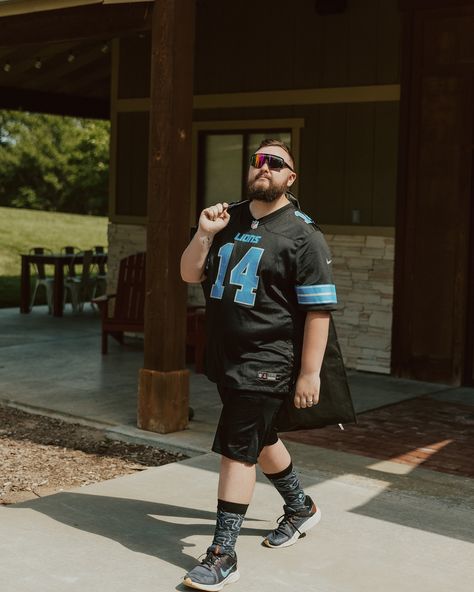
x: 316, y: 330
x: 193, y: 259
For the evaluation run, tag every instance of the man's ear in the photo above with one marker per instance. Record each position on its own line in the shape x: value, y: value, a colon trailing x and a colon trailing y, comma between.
x: 291, y: 179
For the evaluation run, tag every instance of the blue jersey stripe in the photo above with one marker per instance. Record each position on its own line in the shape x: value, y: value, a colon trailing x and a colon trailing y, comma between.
x: 317, y: 288
x: 317, y: 300
x: 321, y: 294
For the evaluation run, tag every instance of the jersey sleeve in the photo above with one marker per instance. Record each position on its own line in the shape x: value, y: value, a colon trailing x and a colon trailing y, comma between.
x: 315, y: 289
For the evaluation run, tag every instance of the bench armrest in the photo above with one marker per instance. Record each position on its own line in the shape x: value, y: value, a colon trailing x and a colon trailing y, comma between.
x: 103, y: 298
x: 102, y: 303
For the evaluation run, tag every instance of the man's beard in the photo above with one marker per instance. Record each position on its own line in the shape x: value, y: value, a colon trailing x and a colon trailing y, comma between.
x: 271, y: 193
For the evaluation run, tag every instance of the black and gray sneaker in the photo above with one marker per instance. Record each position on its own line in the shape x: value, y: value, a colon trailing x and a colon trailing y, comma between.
x: 292, y: 525
x: 214, y: 572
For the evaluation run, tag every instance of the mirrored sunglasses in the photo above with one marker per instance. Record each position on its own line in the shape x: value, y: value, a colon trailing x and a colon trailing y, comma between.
x: 273, y: 162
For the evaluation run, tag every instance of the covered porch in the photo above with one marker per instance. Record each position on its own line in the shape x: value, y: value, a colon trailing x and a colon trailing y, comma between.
x: 53, y: 366
x: 336, y: 92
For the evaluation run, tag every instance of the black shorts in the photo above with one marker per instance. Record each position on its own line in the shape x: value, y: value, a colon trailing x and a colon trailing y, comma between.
x: 246, y: 423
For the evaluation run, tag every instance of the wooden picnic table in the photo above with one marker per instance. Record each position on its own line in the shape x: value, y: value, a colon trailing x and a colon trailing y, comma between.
x: 59, y: 261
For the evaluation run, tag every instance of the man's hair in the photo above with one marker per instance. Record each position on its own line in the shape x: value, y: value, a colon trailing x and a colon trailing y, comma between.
x: 272, y: 142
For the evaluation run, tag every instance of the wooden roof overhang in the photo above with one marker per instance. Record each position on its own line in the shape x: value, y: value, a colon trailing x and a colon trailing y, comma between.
x: 58, y: 61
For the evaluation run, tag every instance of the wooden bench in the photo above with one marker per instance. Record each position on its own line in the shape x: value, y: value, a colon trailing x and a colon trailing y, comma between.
x: 128, y: 314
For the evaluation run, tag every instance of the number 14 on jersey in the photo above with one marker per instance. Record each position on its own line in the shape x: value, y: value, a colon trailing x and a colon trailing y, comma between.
x: 243, y: 274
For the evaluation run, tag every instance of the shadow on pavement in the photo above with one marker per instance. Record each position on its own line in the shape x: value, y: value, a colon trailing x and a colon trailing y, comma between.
x: 151, y: 528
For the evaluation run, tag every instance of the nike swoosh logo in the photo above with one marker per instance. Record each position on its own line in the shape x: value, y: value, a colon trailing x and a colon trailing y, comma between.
x: 226, y: 572
x: 328, y: 261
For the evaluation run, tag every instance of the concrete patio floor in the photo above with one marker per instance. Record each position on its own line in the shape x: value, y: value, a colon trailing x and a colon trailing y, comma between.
x: 385, y: 526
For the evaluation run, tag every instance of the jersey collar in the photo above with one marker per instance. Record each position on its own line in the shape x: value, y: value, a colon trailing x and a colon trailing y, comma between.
x: 270, y: 216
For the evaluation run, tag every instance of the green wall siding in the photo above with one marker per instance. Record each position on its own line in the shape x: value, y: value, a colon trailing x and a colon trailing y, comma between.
x: 348, y: 158
x: 240, y: 48
x: 348, y: 151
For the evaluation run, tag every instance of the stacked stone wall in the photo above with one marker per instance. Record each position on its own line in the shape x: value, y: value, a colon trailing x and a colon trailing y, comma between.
x: 124, y: 240
x: 363, y: 273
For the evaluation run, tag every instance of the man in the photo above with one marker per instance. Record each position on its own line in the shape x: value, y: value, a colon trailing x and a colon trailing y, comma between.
x: 266, y: 274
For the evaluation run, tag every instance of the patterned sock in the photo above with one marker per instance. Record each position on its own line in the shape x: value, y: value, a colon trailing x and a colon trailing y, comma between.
x: 288, y: 486
x: 229, y: 520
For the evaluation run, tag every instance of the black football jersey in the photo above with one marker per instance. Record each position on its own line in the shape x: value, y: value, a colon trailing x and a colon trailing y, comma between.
x: 262, y: 276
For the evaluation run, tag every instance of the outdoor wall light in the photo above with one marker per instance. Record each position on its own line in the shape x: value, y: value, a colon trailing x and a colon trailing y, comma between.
x: 355, y: 216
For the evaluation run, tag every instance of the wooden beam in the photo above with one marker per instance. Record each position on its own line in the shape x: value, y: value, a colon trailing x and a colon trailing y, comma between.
x: 53, y: 103
x: 399, y: 328
x: 86, y: 22
x: 432, y: 4
x: 163, y: 398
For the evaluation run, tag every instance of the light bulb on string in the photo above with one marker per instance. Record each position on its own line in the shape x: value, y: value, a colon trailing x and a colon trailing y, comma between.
x: 71, y: 57
x: 7, y: 67
x: 38, y: 64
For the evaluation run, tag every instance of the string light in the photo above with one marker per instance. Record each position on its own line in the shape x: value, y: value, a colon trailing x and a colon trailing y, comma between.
x: 71, y: 57
x: 104, y: 48
x: 38, y: 64
x: 7, y: 67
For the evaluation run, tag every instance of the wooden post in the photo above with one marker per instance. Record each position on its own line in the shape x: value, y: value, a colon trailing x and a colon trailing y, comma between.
x: 164, y: 383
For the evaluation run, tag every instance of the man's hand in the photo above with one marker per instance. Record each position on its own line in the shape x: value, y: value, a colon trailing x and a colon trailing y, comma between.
x: 307, y: 390
x: 213, y: 219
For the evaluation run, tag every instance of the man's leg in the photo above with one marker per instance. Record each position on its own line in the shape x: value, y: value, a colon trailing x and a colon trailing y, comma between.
x: 275, y: 462
x: 301, y: 513
x: 236, y: 485
x: 236, y: 481
x: 274, y: 458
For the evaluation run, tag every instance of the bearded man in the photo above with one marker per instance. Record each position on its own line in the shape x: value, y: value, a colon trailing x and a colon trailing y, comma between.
x: 266, y: 273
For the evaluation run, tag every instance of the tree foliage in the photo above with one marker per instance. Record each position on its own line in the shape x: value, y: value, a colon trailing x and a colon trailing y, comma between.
x: 53, y: 163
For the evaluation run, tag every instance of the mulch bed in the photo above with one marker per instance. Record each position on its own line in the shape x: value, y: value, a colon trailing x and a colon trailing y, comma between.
x: 41, y: 455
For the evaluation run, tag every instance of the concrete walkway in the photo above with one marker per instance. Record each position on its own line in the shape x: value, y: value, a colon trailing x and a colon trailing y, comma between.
x: 385, y: 526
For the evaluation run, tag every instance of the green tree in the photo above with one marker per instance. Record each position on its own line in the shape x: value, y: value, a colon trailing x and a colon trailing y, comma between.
x: 54, y: 163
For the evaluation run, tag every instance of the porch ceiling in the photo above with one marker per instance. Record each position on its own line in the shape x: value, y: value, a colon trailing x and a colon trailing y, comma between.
x: 63, y: 78
x: 9, y: 7
x: 80, y: 69
x: 59, y: 61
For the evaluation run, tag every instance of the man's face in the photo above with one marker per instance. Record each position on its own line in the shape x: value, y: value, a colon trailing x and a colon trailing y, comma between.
x: 265, y: 184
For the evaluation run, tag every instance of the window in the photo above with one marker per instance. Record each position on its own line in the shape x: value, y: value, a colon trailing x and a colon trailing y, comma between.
x: 223, y: 158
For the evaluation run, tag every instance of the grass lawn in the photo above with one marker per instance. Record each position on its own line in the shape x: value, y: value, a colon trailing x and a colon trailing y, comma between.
x: 20, y: 230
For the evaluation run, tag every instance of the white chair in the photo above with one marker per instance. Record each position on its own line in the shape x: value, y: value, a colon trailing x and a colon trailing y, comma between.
x: 99, y: 273
x: 42, y: 279
x: 70, y: 250
x: 81, y: 288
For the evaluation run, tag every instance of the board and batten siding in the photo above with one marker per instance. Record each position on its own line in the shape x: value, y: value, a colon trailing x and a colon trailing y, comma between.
x: 241, y: 49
